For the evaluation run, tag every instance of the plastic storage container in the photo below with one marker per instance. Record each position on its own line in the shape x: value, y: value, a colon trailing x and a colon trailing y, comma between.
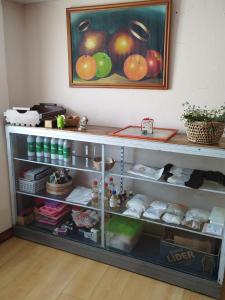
x: 122, y: 233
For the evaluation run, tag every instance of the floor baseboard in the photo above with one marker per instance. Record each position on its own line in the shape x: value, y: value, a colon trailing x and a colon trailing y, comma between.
x: 5, y: 235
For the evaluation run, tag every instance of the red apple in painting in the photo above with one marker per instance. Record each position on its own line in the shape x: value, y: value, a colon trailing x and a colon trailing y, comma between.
x: 155, y: 63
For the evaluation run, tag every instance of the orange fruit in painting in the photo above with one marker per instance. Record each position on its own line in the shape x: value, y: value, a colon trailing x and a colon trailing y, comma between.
x: 86, y: 67
x: 135, y: 67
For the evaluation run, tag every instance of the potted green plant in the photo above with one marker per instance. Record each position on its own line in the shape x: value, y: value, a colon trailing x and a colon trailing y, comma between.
x: 204, y: 126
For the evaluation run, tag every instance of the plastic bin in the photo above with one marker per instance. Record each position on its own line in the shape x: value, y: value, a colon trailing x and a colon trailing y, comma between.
x: 122, y: 233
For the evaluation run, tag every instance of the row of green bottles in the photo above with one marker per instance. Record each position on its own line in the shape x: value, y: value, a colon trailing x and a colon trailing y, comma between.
x: 48, y: 148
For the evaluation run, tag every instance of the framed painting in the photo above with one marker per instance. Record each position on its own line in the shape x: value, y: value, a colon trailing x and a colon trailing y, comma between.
x: 122, y: 45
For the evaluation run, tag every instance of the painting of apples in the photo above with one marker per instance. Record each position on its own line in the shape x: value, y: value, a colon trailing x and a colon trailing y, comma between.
x: 123, y: 45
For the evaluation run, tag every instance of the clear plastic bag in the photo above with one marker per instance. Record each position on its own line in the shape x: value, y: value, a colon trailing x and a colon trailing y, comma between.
x: 172, y: 219
x: 87, y: 218
x: 176, y: 209
x: 131, y: 212
x: 159, y: 205
x: 196, y: 214
x: 139, y: 203
x: 192, y: 224
x: 154, y: 214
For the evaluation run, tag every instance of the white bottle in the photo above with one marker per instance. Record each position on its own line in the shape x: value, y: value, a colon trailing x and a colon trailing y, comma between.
x: 31, y: 147
x: 47, y: 148
x: 60, y: 149
x: 113, y: 200
x: 66, y: 151
x: 54, y: 149
x: 86, y: 156
x: 39, y: 148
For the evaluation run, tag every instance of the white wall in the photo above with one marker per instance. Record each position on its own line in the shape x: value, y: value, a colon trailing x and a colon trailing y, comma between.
x: 197, y: 66
x: 14, y: 27
x: 5, y: 215
x: 37, y: 67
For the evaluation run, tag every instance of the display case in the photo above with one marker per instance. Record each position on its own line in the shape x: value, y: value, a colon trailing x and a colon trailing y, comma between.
x: 76, y: 221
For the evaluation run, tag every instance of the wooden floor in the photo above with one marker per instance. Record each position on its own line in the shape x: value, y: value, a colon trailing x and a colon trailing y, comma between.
x: 32, y: 272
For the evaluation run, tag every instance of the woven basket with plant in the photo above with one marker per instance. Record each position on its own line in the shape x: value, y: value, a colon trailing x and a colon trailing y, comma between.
x: 204, y: 126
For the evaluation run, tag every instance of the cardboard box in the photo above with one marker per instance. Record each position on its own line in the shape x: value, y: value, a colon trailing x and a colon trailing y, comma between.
x: 25, y: 220
x: 183, y: 255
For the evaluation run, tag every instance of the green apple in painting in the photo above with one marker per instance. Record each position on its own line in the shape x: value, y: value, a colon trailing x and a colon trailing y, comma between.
x: 103, y: 63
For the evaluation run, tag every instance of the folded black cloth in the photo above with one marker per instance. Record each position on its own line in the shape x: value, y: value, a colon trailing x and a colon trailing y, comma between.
x: 197, y: 177
x: 167, y: 169
x: 166, y: 172
x: 215, y: 176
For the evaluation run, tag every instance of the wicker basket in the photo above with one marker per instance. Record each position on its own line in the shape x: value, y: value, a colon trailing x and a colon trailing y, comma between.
x: 204, y: 132
x: 32, y: 186
x: 59, y: 189
x: 72, y: 121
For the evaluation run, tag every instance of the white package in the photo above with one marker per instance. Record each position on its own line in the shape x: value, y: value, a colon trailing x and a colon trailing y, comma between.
x: 192, y: 224
x: 181, y: 179
x: 180, y: 171
x: 213, y: 228
x: 172, y: 219
x: 176, y: 209
x: 196, y: 214
x: 80, y: 195
x: 180, y: 175
x: 151, y: 173
x: 217, y: 215
x: 154, y: 214
x: 138, y: 202
x: 131, y: 212
x: 159, y: 205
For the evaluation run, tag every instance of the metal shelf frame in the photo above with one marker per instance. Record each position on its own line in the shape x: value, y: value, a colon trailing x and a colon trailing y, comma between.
x: 104, y: 141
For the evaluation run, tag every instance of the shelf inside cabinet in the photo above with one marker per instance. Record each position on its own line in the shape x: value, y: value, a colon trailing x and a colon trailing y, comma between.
x: 208, y: 186
x: 120, y: 211
x: 74, y: 236
x: 81, y: 163
x: 148, y: 249
x: 47, y: 196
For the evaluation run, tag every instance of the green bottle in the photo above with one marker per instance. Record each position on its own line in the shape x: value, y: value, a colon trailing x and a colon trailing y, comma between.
x: 39, y: 148
x: 31, y: 147
x: 60, y: 149
x: 47, y: 147
x: 54, y: 149
x: 66, y: 151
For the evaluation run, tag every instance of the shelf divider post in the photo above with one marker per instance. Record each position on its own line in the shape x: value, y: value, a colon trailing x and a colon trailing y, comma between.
x: 103, y: 197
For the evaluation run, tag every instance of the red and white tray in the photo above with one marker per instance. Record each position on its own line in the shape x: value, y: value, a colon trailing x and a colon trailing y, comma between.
x: 134, y: 132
